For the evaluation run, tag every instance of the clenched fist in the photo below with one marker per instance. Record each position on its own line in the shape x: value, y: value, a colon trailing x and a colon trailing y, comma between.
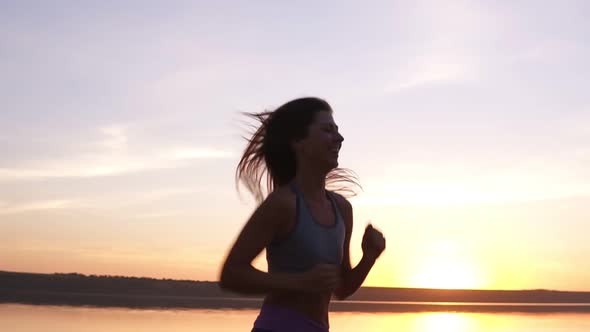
x: 373, y: 242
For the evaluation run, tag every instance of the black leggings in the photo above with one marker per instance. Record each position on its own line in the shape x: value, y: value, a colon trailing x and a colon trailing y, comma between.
x: 260, y: 330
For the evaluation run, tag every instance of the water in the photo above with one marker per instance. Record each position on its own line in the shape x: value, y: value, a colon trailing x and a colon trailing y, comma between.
x: 28, y: 318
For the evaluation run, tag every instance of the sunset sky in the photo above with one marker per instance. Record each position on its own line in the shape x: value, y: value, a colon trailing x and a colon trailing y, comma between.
x: 468, y: 123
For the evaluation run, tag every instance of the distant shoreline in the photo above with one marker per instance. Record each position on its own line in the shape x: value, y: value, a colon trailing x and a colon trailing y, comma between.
x: 214, y: 303
x: 129, y: 292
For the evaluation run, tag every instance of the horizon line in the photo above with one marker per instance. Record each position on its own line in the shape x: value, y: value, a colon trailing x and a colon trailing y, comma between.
x: 216, y: 281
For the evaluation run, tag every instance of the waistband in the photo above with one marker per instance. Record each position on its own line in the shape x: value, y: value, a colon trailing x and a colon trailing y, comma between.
x: 277, y: 318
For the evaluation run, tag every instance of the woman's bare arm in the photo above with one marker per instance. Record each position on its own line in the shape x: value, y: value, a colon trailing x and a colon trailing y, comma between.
x: 239, y: 275
x: 352, y: 278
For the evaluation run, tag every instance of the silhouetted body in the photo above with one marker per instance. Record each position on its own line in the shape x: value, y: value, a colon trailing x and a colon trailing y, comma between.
x: 304, y: 227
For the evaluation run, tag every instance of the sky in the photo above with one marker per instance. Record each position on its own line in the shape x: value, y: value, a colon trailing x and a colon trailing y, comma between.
x: 467, y: 122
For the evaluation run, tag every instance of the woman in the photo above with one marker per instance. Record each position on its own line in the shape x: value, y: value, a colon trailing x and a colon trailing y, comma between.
x: 305, y: 228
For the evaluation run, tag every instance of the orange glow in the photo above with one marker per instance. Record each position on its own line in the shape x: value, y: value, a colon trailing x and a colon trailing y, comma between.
x: 447, y: 268
x: 445, y: 322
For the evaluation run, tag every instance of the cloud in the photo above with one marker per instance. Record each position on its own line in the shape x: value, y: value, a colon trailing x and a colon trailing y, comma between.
x: 456, y: 37
x: 532, y: 180
x: 130, y: 199
x: 188, y: 153
x: 440, y: 195
x: 115, y: 137
x: 142, y: 199
x: 114, y: 156
x: 558, y: 169
x: 6, y: 208
x: 433, y: 69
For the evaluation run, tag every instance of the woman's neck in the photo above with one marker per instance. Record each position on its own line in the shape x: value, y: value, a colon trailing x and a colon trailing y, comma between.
x: 311, y: 183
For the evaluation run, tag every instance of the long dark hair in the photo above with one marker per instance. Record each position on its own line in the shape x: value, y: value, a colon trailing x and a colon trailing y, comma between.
x: 269, y: 153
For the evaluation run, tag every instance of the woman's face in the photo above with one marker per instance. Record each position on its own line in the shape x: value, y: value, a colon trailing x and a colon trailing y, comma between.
x: 322, y: 144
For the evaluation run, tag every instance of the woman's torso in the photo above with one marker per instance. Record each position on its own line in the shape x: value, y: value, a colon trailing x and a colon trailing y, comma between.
x: 311, y: 234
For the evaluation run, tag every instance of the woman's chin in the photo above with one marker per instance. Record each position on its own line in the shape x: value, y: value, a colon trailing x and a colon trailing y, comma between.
x: 333, y: 164
x: 327, y: 165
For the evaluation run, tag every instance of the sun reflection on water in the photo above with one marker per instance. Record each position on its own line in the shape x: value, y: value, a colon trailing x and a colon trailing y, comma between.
x: 444, y: 322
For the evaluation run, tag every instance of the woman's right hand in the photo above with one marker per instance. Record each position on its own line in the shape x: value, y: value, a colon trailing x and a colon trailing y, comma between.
x: 321, y: 278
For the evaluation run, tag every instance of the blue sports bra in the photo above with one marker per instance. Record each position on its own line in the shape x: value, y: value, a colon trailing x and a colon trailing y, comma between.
x: 309, y: 243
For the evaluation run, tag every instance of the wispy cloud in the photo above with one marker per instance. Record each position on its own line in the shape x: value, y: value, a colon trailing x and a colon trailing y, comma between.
x: 114, y: 156
x: 115, y: 137
x: 523, y: 177
x: 138, y: 198
x: 455, y: 37
x: 8, y: 208
x: 141, y: 199
x: 433, y: 69
x: 187, y: 153
x: 426, y: 195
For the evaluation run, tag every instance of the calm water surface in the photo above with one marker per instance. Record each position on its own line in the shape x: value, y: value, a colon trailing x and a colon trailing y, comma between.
x: 27, y: 318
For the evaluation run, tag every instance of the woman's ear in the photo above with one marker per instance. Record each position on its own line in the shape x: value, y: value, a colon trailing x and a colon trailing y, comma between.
x: 296, y: 144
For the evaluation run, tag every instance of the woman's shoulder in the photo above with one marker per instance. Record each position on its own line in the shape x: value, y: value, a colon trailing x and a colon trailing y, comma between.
x: 345, y: 208
x: 342, y: 201
x: 280, y: 198
x: 279, y: 207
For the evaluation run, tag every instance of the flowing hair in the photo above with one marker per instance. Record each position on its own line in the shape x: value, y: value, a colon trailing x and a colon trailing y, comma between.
x: 269, y: 157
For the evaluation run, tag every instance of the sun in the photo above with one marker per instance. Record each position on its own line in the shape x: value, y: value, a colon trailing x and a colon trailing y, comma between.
x: 445, y: 267
x: 446, y: 273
